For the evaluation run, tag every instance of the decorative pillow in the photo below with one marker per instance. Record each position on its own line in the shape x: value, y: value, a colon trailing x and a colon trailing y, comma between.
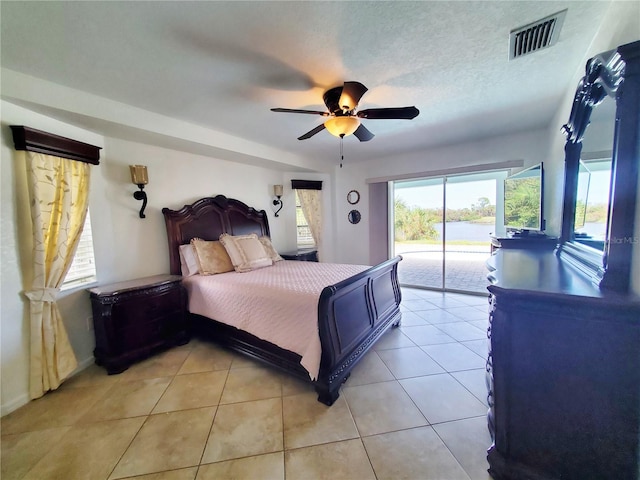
x: 212, y: 257
x: 268, y: 247
x: 246, y: 252
x: 188, y: 261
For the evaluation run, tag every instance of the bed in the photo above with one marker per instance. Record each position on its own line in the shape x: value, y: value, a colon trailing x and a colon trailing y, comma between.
x: 352, y: 314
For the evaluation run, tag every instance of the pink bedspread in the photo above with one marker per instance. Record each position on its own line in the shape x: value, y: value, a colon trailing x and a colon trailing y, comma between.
x: 278, y: 303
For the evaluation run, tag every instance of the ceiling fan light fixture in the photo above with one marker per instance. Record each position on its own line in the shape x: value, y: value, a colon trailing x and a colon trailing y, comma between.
x: 348, y: 103
x: 343, y: 120
x: 342, y: 126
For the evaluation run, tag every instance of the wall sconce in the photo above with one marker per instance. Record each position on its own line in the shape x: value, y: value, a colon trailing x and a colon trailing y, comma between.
x: 277, y: 192
x: 140, y: 178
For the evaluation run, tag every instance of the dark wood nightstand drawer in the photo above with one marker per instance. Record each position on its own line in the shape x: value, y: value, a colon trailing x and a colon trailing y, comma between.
x: 301, y: 255
x: 137, y: 309
x: 133, y: 319
x: 146, y: 334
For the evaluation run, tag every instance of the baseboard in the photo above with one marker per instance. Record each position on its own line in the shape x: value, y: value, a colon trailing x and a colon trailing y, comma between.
x: 87, y: 362
x: 21, y: 400
x: 15, y: 404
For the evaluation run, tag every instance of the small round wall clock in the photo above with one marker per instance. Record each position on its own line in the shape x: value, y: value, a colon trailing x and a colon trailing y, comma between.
x: 354, y: 216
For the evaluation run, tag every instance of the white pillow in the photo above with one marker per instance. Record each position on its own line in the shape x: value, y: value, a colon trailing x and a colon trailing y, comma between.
x: 188, y: 261
x: 268, y: 246
x: 246, y: 252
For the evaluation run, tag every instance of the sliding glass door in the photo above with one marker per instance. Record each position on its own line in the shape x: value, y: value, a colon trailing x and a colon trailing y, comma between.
x: 469, y: 221
x: 442, y: 228
x: 418, y: 207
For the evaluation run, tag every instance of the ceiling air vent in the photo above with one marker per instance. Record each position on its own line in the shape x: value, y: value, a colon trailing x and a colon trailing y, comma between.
x: 535, y: 36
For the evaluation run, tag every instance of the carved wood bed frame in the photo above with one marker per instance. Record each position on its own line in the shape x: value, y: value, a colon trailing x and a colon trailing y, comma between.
x: 352, y: 314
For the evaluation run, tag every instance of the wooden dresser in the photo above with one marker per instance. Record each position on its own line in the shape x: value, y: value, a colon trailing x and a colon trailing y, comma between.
x: 132, y: 319
x: 563, y: 372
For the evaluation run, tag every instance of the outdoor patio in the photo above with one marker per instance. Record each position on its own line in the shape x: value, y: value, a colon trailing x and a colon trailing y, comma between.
x: 465, y: 267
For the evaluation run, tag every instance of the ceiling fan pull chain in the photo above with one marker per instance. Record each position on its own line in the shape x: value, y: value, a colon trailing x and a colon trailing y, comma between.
x: 341, y: 149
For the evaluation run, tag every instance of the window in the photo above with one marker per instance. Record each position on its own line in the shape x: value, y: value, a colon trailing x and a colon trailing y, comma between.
x: 305, y: 239
x: 592, y: 202
x: 83, y: 268
x: 309, y: 219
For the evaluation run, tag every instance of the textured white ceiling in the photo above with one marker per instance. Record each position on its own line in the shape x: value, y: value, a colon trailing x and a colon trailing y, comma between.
x: 223, y: 65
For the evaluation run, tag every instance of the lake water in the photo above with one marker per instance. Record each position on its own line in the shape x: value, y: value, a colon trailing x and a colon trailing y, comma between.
x: 466, y: 231
x: 482, y: 232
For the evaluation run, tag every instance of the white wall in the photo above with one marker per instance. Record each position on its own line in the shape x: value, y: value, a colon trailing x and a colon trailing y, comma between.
x: 135, y: 247
x: 126, y: 246
x: 352, y: 241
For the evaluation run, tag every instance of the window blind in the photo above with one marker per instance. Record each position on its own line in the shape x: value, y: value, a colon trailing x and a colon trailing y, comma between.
x: 83, y: 268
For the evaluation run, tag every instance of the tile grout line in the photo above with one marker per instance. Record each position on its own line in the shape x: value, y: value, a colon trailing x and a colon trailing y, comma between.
x: 146, y: 416
x: 204, y: 448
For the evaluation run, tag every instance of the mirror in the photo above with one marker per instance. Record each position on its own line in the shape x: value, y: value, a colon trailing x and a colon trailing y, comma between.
x: 592, y: 202
x: 582, y: 197
x: 594, y: 177
x: 601, y: 169
x: 353, y: 197
x: 354, y: 216
x: 523, y: 204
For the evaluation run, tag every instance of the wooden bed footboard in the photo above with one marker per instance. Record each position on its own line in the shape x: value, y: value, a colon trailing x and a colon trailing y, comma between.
x: 352, y: 315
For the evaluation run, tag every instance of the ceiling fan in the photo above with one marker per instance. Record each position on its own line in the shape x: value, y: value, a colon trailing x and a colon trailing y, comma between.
x: 343, y: 119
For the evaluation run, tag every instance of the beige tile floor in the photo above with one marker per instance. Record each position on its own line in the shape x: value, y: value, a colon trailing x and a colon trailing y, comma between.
x: 414, y: 408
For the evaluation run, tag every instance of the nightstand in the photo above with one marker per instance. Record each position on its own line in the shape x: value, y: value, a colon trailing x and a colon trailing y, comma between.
x: 301, y: 255
x: 133, y: 319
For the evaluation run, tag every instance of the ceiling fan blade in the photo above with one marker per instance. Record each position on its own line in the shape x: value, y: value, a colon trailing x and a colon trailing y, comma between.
x: 351, y: 94
x: 311, y: 133
x: 293, y: 110
x: 403, y: 113
x: 363, y: 134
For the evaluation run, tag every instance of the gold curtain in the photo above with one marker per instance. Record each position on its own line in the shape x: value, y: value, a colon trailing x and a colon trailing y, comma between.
x: 311, y: 203
x: 58, y: 194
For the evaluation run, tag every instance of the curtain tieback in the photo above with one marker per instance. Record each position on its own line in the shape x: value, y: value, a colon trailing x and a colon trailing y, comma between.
x: 44, y: 294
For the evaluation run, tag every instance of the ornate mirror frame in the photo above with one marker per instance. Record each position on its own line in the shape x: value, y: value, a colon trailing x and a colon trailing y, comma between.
x: 614, y: 73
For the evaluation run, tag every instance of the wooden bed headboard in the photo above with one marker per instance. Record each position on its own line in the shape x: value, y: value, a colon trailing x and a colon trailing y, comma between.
x: 208, y: 218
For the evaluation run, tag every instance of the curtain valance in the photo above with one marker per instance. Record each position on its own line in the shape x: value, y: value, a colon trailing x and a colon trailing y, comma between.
x: 32, y: 140
x: 306, y: 184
